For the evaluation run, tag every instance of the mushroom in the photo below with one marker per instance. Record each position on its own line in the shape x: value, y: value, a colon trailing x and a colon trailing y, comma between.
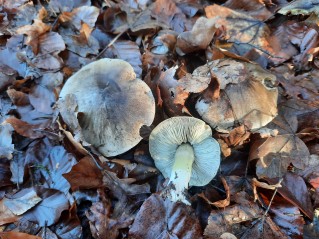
x: 113, y: 103
x: 185, y: 152
x: 248, y: 95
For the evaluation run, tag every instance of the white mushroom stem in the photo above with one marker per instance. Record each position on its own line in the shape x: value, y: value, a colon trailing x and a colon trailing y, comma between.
x: 181, y: 172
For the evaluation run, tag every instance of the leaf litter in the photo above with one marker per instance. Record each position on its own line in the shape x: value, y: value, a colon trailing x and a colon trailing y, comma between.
x: 197, y: 58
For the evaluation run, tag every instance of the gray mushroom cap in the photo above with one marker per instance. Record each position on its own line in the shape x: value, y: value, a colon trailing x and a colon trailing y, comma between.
x: 115, y: 104
x: 171, y: 133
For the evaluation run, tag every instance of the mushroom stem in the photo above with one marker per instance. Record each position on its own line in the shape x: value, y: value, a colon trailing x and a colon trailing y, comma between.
x: 181, y: 172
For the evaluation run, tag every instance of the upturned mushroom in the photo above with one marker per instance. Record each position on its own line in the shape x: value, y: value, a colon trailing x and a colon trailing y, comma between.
x: 114, y: 104
x: 185, y: 152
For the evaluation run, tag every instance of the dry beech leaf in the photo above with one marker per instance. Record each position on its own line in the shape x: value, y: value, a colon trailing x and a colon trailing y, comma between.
x: 256, y: 183
x: 294, y: 190
x: 159, y: 218
x: 224, y: 220
x: 301, y: 7
x: 175, y: 92
x: 34, y: 32
x: 277, y: 153
x: 264, y: 229
x: 22, y: 201
x: 287, y: 36
x: 63, y: 6
x: 128, y: 51
x: 6, y: 146
x: 84, y: 175
x: 123, y: 190
x: 17, y: 235
x: 18, y: 98
x: 69, y: 224
x: 6, y: 216
x: 102, y: 223
x: 25, y: 129
x: 287, y: 216
x: 84, y: 14
x: 254, y: 8
x: 198, y: 38
x: 312, y: 229
x: 221, y: 203
x: 240, y: 28
x: 49, y: 210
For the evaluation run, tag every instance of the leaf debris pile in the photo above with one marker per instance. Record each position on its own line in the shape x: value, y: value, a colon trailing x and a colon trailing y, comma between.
x: 249, y: 69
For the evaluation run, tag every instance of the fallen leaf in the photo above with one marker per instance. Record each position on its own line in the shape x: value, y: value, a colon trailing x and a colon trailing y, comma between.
x: 295, y: 191
x: 22, y: 201
x: 34, y: 31
x: 312, y: 229
x: 5, y: 172
x: 17, y: 235
x: 26, y: 129
x: 49, y: 210
x: 256, y: 183
x: 6, y: 146
x: 102, y: 224
x: 57, y: 163
x: 69, y: 225
x: 84, y: 175
x: 6, y: 216
x: 222, y: 221
x: 128, y: 51
x: 159, y: 218
x: 241, y: 29
x: 256, y: 8
x: 122, y: 190
x: 264, y: 229
x: 300, y: 7
x: 198, y: 38
x: 287, y: 216
x: 221, y: 203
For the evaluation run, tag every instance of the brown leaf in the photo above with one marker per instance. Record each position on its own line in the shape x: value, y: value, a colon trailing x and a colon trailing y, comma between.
x: 264, y: 229
x: 287, y: 216
x: 17, y: 235
x: 295, y: 191
x: 102, y: 224
x: 253, y: 8
x: 241, y: 29
x: 34, y: 32
x: 277, y: 153
x: 6, y: 216
x: 163, y: 219
x: 84, y: 175
x: 221, y: 203
x: 122, y: 190
x: 198, y: 38
x: 312, y: 230
x: 18, y: 98
x: 175, y: 92
x: 25, y: 129
x: 69, y: 224
x: 224, y: 220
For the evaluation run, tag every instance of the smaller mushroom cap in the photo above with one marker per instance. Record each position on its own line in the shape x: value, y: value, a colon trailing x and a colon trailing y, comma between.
x: 173, y: 132
x: 113, y: 102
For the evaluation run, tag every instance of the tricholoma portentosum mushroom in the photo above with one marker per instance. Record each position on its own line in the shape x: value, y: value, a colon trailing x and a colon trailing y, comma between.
x: 185, y: 152
x: 114, y: 104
